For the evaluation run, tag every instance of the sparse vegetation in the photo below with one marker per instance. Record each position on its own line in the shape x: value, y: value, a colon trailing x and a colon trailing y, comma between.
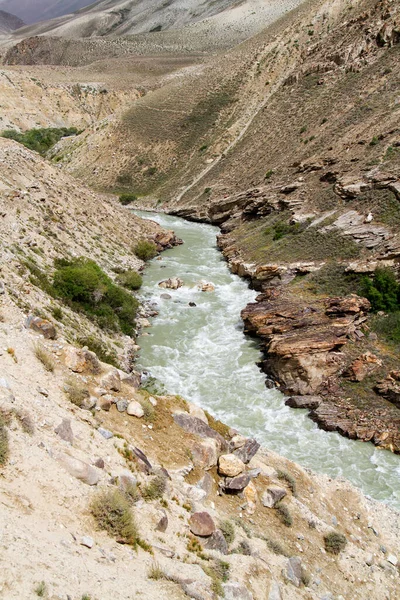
x: 83, y: 285
x: 276, y: 547
x: 228, y: 531
x: 269, y: 174
x: 45, y: 358
x: 4, y: 442
x: 145, y: 250
x: 41, y: 589
x: 148, y: 409
x: 289, y: 479
x: 130, y: 279
x: 100, y: 349
x: 40, y: 140
x: 155, y: 572
x: 76, y: 391
x: 284, y: 514
x: 127, y: 199
x: 112, y: 513
x: 335, y: 542
x: 387, y: 326
x: 217, y: 425
x: 155, y: 488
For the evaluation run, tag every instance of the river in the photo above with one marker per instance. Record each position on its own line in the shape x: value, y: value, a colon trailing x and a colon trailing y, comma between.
x: 202, y: 354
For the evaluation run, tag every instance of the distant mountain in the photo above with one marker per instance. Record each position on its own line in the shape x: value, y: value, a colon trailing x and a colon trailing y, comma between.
x: 32, y: 11
x: 9, y: 22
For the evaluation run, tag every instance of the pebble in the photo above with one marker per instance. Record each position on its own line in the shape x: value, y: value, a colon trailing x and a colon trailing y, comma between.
x: 43, y: 391
x: 392, y: 559
x: 105, y: 433
x: 87, y: 541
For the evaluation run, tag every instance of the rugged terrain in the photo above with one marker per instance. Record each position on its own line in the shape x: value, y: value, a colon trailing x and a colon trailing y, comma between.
x: 9, y: 22
x: 39, y: 10
x: 289, y: 141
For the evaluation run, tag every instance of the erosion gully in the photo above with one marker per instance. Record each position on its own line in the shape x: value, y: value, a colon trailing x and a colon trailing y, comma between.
x: 201, y: 353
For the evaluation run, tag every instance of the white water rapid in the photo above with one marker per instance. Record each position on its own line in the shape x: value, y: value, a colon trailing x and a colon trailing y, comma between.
x: 202, y: 354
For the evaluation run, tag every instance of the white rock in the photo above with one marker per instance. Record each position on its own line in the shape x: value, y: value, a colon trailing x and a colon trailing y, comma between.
x: 392, y: 559
x: 135, y: 409
x: 87, y: 541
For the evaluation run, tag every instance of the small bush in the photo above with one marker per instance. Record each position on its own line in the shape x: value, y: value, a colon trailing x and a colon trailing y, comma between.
x: 289, y: 479
x: 155, y: 572
x: 99, y: 348
x: 57, y: 313
x: 145, y: 250
x: 284, y: 514
x: 41, y: 589
x: 40, y: 140
x: 148, y: 409
x: 228, y: 531
x: 4, y: 442
x: 126, y: 199
x: 388, y: 326
x: 76, y: 391
x: 374, y: 141
x: 217, y: 425
x: 269, y: 174
x: 155, y: 488
x: 276, y: 547
x: 112, y: 513
x: 335, y: 542
x: 130, y: 279
x: 45, y: 358
x: 243, y: 548
x: 382, y: 291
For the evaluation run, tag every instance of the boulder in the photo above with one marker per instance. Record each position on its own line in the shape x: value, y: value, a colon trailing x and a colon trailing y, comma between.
x: 217, y: 542
x: 198, y: 427
x: 272, y: 496
x: 172, y: 283
x: 249, y: 449
x: 236, y: 484
x: 42, y: 326
x: 251, y: 495
x: 294, y: 571
x: 106, y: 403
x: 162, y: 524
x: 274, y: 591
x: 81, y: 360
x: 206, y: 484
x: 236, y: 591
x: 310, y: 402
x: 64, y: 431
x: 202, y: 524
x: 135, y: 409
x: 106, y: 433
x: 389, y: 388
x: 206, y: 287
x: 362, y: 366
x: 196, y: 411
x: 79, y: 469
x: 111, y: 381
x: 204, y: 453
x: 122, y: 405
x: 230, y: 465
x: 87, y: 541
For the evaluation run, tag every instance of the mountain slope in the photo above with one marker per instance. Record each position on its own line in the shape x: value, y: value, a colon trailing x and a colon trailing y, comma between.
x: 9, y: 22
x: 32, y: 11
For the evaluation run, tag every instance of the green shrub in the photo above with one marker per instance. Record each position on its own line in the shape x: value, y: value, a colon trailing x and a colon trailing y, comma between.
x: 281, y: 229
x: 388, y: 326
x: 130, y: 279
x: 127, y: 198
x: 112, y: 513
x: 284, y: 514
x: 84, y: 285
x: 76, y: 391
x: 4, y: 443
x: 40, y: 140
x: 269, y: 174
x: 145, y: 250
x: 228, y: 530
x: 100, y: 349
x: 41, y: 589
x: 57, y: 313
x: 155, y: 488
x: 335, y: 542
x: 382, y: 291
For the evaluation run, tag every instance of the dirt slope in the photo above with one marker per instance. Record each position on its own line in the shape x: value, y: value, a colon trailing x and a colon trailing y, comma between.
x: 9, y: 22
x: 39, y: 10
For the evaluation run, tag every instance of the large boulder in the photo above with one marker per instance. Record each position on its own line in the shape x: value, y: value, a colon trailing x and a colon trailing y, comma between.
x: 198, y: 427
x: 249, y: 449
x: 42, y: 326
x: 202, y: 524
x: 135, y: 409
x: 111, y: 381
x: 230, y: 465
x: 236, y: 591
x: 272, y: 496
x: 81, y: 360
x: 236, y: 484
x: 79, y: 469
x: 172, y: 283
x: 204, y: 453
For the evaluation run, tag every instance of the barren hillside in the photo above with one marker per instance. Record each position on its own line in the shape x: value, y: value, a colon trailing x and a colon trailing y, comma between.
x: 32, y: 11
x: 9, y: 22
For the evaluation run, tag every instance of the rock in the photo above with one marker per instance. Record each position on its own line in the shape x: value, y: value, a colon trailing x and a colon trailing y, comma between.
x: 99, y: 463
x: 266, y: 470
x: 162, y: 524
x: 172, y: 284
x: 43, y: 392
x: 64, y: 431
x: 294, y: 570
x: 143, y: 323
x: 192, y: 304
x: 132, y: 379
x: 236, y: 484
x: 135, y: 409
x: 362, y: 366
x: 201, y: 524
x: 206, y: 484
x: 237, y: 441
x: 81, y: 360
x: 206, y: 287
x: 198, y: 427
x: 79, y: 469
x: 105, y: 404
x: 42, y: 326
x: 204, y: 453
x: 236, y: 591
x: 310, y: 402
x: 217, y: 542
x: 230, y: 465
x: 289, y: 189
x: 87, y: 541
x: 247, y: 451
x: 251, y: 495
x: 369, y: 560
x: 272, y: 496
x: 2, y: 288
x: 392, y: 559
x: 197, y: 590
x: 389, y: 388
x: 166, y: 296
x: 274, y: 591
x: 122, y: 405
x: 105, y: 433
x: 196, y: 411
x: 111, y: 381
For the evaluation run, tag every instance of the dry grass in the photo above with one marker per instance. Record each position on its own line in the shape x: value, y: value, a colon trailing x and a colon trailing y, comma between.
x: 335, y: 542
x: 155, y: 572
x: 155, y: 488
x: 76, y: 392
x: 45, y: 358
x: 112, y: 512
x: 4, y: 443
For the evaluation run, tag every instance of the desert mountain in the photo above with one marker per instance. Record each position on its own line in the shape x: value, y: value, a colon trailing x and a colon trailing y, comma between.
x: 9, y: 22
x: 32, y: 11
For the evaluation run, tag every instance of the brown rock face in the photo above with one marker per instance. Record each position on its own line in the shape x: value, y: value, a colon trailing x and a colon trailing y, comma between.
x: 363, y: 366
x: 42, y: 326
x: 202, y: 524
x: 389, y: 388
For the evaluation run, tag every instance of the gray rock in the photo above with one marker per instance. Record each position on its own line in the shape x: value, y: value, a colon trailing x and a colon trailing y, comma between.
x: 246, y: 452
x: 2, y: 288
x: 87, y: 541
x: 217, y: 542
x: 369, y: 560
x: 111, y: 381
x: 42, y: 326
x: 274, y: 592
x: 294, y: 570
x: 43, y: 391
x: 122, y: 405
x: 99, y: 463
x: 272, y: 496
x: 79, y: 469
x: 64, y: 431
x: 106, y: 433
x: 236, y: 591
x: 143, y: 460
x: 238, y: 483
x: 198, y: 427
x: 166, y: 296
x: 310, y: 402
x: 162, y: 524
x: 202, y: 524
x: 197, y: 590
x: 392, y: 559
x: 206, y: 483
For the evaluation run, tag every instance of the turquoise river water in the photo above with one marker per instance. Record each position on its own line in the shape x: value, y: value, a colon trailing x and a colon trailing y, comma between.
x: 202, y: 354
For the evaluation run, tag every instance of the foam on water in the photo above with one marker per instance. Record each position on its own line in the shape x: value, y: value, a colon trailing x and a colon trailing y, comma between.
x: 201, y: 353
